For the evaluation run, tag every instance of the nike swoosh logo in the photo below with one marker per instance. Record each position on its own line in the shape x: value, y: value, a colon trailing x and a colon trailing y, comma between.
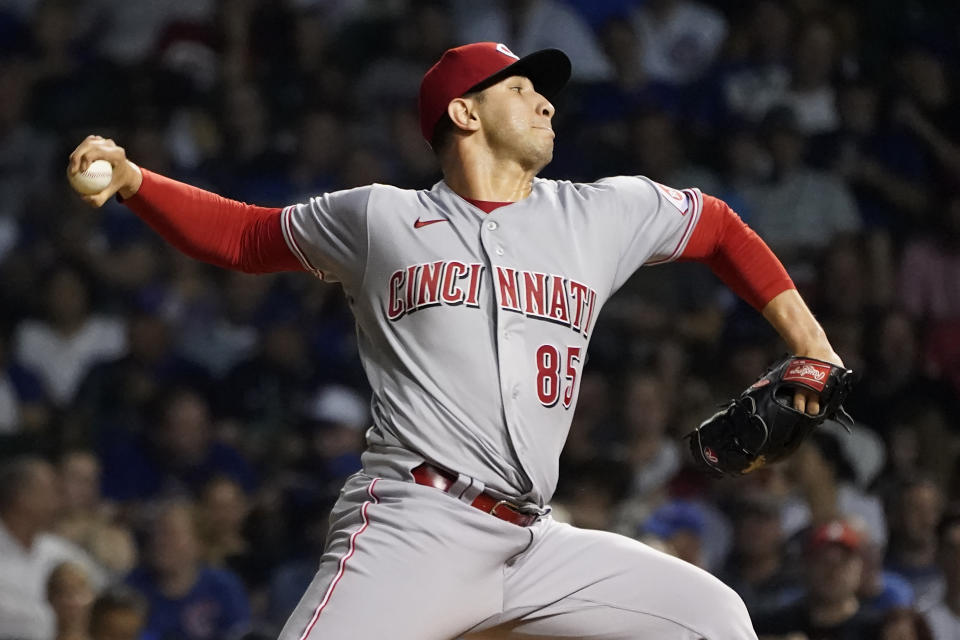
x: 422, y: 223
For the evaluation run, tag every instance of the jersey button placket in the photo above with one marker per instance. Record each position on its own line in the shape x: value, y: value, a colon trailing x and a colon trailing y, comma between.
x: 509, y: 347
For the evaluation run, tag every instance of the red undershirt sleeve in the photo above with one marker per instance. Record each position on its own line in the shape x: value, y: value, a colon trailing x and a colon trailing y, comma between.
x: 211, y: 228
x: 736, y: 254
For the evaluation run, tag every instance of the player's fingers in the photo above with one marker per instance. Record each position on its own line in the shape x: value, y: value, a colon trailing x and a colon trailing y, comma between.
x: 806, y: 401
x: 83, y: 147
x: 799, y: 401
x: 98, y: 199
x: 85, y: 153
x: 92, y: 201
x: 92, y: 148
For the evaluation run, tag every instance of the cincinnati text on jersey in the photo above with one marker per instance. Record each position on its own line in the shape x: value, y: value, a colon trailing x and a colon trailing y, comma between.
x: 543, y: 296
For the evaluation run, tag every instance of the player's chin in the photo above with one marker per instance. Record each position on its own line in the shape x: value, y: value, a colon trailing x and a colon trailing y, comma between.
x: 540, y: 156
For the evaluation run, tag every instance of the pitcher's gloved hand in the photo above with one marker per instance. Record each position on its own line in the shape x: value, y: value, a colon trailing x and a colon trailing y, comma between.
x: 762, y: 425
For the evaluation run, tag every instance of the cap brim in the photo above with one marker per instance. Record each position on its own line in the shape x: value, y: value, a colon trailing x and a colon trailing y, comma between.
x: 548, y: 70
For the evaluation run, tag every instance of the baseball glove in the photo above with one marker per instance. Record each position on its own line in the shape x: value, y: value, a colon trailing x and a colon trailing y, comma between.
x: 761, y: 426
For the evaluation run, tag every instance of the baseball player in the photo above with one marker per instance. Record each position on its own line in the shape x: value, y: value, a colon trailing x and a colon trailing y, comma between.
x: 475, y: 302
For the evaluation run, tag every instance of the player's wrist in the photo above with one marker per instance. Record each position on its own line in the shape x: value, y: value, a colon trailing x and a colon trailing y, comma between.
x: 819, y: 348
x: 133, y: 178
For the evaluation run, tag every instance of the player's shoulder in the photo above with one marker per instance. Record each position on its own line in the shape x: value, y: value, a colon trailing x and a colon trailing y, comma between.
x: 604, y: 189
x: 388, y: 193
x: 362, y: 198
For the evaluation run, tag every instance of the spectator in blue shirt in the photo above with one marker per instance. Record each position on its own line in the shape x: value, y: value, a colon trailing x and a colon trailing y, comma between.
x: 177, y: 455
x: 187, y: 600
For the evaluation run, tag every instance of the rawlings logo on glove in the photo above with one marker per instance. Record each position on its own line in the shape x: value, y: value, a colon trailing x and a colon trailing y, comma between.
x: 811, y: 373
x: 762, y: 426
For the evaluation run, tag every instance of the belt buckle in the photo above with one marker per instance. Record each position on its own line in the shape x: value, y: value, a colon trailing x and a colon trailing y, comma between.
x: 500, y: 503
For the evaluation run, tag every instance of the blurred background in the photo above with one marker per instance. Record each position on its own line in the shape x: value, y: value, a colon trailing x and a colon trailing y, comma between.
x: 172, y: 436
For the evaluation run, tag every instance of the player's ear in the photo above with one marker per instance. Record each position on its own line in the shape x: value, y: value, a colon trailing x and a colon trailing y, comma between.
x: 462, y: 112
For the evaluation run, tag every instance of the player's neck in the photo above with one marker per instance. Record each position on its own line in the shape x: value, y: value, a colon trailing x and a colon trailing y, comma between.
x: 480, y: 176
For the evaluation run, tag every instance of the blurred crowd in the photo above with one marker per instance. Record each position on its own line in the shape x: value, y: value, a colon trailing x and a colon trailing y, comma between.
x: 172, y: 436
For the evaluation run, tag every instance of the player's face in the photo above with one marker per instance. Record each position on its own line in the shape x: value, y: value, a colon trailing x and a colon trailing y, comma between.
x: 516, y: 122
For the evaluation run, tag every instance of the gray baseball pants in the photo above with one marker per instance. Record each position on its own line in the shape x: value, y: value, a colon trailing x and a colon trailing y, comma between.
x: 409, y: 562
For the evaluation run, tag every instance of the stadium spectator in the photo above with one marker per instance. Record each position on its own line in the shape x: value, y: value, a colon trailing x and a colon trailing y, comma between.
x: 653, y: 456
x: 895, y: 369
x: 681, y: 38
x: 593, y: 427
x: 187, y: 599
x: 23, y: 401
x: 882, y: 592
x: 87, y: 520
x: 926, y: 110
x: 26, y: 151
x: 905, y: 624
x: 799, y: 210
x: 591, y: 491
x: 604, y: 107
x: 71, y: 596
x: 29, y: 553
x: 914, y: 510
x: 827, y: 489
x: 830, y: 609
x: 268, y: 390
x: 755, y: 75
x: 680, y: 525
x: 943, y: 615
x: 215, y: 319
x: 62, y: 347
x: 177, y: 456
x: 117, y: 394
x: 812, y: 96
x: 931, y: 267
x: 530, y: 25
x: 884, y: 167
x: 335, y: 419
x: 223, y: 510
x: 118, y: 613
x: 757, y: 568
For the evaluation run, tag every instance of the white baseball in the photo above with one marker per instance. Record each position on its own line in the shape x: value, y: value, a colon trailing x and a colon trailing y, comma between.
x: 94, y: 180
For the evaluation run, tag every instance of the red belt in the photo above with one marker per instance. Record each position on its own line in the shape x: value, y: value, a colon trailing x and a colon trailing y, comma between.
x: 431, y: 476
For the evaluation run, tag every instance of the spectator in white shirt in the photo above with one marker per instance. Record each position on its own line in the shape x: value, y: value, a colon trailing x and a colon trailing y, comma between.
x: 63, y: 347
x: 29, y: 505
x: 799, y: 210
x: 812, y: 96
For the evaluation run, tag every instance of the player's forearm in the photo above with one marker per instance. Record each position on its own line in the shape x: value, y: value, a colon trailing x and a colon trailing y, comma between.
x: 736, y: 255
x: 211, y: 228
x: 792, y: 319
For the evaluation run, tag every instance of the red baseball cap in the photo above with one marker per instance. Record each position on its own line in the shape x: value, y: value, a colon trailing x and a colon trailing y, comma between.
x: 835, y: 532
x: 474, y: 66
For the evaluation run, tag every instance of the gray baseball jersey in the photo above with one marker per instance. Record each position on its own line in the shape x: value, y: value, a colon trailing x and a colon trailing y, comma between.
x: 473, y: 327
x: 473, y: 331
